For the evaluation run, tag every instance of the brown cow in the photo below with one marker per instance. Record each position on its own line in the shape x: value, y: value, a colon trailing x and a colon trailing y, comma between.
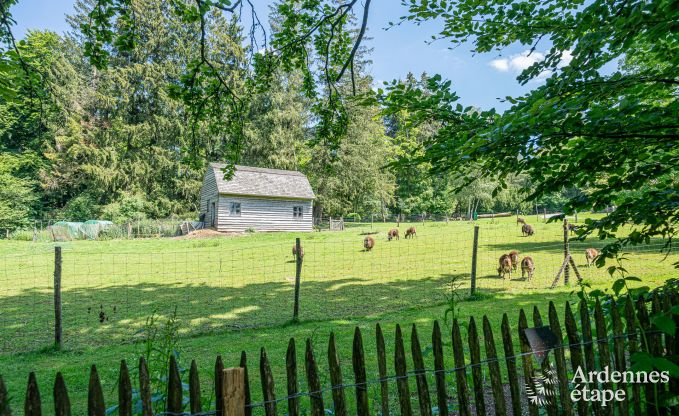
x: 527, y: 230
x: 411, y: 232
x: 505, y: 267
x: 520, y: 220
x: 572, y: 228
x: 527, y: 267
x: 514, y: 257
x: 368, y: 243
x: 590, y: 255
x: 393, y: 233
x: 294, y: 251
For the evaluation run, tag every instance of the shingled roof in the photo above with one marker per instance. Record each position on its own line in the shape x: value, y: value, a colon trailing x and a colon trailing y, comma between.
x: 252, y: 181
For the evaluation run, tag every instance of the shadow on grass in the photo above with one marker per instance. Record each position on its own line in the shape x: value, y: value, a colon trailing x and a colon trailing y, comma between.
x: 101, y: 315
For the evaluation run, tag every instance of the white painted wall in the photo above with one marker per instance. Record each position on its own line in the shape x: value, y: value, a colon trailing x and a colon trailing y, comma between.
x: 263, y: 214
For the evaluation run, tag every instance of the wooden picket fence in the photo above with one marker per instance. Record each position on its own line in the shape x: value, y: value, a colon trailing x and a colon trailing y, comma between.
x: 610, y: 347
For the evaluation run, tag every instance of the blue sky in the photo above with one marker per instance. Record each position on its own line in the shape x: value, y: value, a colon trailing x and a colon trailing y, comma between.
x: 479, y: 80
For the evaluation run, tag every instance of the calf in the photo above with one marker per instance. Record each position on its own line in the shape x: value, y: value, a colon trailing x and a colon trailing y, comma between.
x: 527, y: 267
x: 527, y: 230
x: 514, y: 257
x: 368, y: 243
x: 505, y: 267
x: 410, y: 232
x: 393, y: 233
x: 590, y: 255
x: 520, y: 220
x: 572, y: 228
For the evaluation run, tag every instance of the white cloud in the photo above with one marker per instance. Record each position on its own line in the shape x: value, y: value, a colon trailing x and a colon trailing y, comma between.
x: 566, y: 58
x: 520, y: 61
x: 501, y: 65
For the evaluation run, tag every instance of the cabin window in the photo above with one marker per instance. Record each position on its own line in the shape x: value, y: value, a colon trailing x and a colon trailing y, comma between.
x: 235, y: 209
x: 297, y: 212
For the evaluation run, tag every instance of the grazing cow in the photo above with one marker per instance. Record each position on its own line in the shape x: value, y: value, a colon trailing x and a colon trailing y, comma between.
x: 520, y: 220
x: 368, y: 243
x: 527, y: 230
x: 590, y: 255
x: 294, y: 251
x: 411, y: 232
x: 505, y: 267
x: 393, y: 233
x: 514, y: 257
x: 527, y: 267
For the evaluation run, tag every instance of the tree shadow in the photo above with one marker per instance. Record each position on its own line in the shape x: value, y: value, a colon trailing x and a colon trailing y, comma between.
x: 102, y: 315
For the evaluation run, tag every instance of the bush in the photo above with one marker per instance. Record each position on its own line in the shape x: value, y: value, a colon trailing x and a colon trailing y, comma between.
x: 354, y: 216
x: 81, y: 208
x: 129, y: 207
x: 22, y: 235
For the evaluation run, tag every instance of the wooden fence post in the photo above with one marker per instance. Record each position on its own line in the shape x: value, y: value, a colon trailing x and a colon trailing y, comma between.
x: 62, y: 404
x: 174, y: 388
x: 291, y: 370
x: 475, y: 363
x: 194, y: 389
x: 144, y: 388
x: 32, y: 405
x: 57, y: 297
x: 124, y: 391
x: 358, y: 363
x: 95, y: 395
x: 298, y: 275
x: 439, y: 368
x: 382, y: 369
x: 336, y: 378
x: 4, y: 400
x: 566, y: 252
x: 475, y: 249
x: 233, y: 391
x: 313, y: 381
x: 268, y: 389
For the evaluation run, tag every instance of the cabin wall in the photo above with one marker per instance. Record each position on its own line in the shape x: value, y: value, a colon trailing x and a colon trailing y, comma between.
x: 264, y: 214
x: 208, y: 195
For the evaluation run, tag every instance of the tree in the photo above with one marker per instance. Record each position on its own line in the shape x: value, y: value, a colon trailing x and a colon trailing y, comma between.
x: 17, y: 192
x: 580, y: 125
x: 277, y: 132
x: 128, y: 134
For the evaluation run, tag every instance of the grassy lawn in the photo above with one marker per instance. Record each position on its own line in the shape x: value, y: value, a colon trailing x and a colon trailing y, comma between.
x: 236, y: 293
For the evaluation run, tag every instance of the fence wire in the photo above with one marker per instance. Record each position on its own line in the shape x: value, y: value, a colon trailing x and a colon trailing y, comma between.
x: 111, y: 288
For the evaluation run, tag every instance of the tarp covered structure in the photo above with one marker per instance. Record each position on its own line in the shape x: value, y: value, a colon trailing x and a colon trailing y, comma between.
x: 88, y: 230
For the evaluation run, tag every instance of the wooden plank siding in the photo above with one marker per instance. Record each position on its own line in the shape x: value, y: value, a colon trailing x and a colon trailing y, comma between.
x: 208, y: 194
x: 263, y: 214
x: 267, y: 198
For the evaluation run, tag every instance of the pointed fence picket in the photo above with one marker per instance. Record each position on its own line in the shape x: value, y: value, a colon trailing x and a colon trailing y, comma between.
x: 498, y: 385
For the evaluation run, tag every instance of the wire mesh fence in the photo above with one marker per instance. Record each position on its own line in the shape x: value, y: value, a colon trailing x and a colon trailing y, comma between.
x: 110, y: 288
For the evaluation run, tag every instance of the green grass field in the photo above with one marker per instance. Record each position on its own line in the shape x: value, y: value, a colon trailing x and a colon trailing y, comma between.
x: 236, y: 293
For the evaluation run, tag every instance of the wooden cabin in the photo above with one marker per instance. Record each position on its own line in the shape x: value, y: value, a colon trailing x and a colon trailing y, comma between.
x: 256, y: 199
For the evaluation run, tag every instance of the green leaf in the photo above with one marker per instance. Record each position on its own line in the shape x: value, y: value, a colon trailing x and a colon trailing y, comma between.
x: 618, y: 285
x: 663, y: 364
x: 665, y: 323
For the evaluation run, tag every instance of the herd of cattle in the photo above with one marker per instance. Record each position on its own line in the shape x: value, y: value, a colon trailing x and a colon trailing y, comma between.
x: 369, y: 242
x: 509, y: 263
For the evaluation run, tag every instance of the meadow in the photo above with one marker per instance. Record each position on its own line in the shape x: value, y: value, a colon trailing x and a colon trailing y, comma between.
x: 236, y: 293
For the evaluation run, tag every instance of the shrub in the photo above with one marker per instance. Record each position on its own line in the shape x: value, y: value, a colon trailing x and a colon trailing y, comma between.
x: 354, y: 216
x: 81, y: 208
x: 22, y: 235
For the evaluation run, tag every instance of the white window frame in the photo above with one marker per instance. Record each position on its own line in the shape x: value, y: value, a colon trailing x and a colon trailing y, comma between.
x: 298, y: 212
